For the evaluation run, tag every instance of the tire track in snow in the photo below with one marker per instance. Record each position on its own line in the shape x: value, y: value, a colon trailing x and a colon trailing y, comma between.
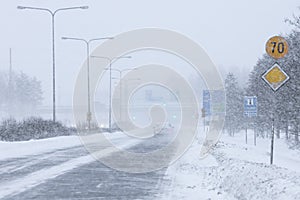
x: 21, y: 184
x: 16, y: 164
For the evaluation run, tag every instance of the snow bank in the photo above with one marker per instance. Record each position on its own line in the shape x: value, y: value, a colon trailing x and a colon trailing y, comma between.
x: 249, y: 180
x: 284, y: 157
x: 236, y: 170
x: 187, y: 177
x: 35, y: 147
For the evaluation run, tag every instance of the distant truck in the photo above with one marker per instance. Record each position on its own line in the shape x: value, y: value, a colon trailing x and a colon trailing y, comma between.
x: 167, y: 128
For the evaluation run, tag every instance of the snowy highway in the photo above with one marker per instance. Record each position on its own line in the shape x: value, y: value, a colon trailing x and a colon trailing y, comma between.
x: 71, y: 173
x: 61, y: 168
x: 150, y: 100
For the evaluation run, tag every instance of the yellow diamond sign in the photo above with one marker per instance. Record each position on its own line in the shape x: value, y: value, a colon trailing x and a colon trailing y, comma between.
x: 275, y: 77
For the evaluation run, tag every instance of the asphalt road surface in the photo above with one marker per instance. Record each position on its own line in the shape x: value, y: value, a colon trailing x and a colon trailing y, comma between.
x: 73, y: 174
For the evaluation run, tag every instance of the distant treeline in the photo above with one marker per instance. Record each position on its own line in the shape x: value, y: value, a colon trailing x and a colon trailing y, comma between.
x: 19, y: 93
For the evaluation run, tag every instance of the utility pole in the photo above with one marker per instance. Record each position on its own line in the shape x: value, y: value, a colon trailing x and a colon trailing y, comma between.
x: 10, y: 89
x: 10, y: 70
x: 10, y: 64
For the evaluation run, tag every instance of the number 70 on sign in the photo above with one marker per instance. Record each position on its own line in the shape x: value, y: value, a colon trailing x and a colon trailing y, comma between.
x: 277, y: 47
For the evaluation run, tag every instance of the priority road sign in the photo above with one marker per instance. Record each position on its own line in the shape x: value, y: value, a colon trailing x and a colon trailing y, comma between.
x: 275, y: 77
x: 250, y: 106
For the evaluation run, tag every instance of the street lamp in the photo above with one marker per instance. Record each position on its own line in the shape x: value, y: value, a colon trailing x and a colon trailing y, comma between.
x: 52, y: 13
x: 88, y: 42
x: 120, y: 77
x: 111, y: 60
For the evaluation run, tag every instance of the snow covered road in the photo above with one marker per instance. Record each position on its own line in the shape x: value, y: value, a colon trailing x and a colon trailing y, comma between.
x: 71, y: 173
x: 60, y: 168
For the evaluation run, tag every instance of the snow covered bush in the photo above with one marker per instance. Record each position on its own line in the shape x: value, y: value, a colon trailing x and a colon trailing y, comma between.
x: 32, y: 128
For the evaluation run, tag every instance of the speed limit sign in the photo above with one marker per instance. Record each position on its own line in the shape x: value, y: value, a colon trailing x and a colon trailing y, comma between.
x: 277, y: 47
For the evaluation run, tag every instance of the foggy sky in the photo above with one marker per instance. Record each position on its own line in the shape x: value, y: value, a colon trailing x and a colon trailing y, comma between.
x: 233, y: 32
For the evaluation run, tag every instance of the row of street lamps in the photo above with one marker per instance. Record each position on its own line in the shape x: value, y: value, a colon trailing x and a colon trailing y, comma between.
x: 111, y: 60
x: 87, y: 42
x: 119, y: 78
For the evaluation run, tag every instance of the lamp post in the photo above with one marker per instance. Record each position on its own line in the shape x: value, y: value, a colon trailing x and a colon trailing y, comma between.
x: 111, y: 60
x: 88, y: 42
x: 120, y: 77
x: 52, y: 13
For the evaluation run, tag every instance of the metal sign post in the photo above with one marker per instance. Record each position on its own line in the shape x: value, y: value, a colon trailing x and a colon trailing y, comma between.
x: 213, y: 103
x: 254, y: 137
x: 275, y: 77
x: 206, y: 106
x: 250, y: 110
x: 272, y: 141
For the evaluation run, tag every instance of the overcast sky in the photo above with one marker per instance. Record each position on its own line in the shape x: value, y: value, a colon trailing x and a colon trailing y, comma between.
x: 233, y: 32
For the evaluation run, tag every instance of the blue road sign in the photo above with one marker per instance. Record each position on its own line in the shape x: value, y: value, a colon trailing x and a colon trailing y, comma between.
x: 206, y: 102
x: 250, y: 106
x: 214, y: 102
x: 217, y: 102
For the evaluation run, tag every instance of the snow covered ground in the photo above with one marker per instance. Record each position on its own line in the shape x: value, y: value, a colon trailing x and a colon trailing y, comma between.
x: 26, y: 165
x: 35, y: 147
x: 236, y: 170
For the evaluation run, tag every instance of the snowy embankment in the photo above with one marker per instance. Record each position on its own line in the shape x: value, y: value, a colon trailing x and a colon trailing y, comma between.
x: 187, y: 177
x: 35, y: 147
x: 236, y: 170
